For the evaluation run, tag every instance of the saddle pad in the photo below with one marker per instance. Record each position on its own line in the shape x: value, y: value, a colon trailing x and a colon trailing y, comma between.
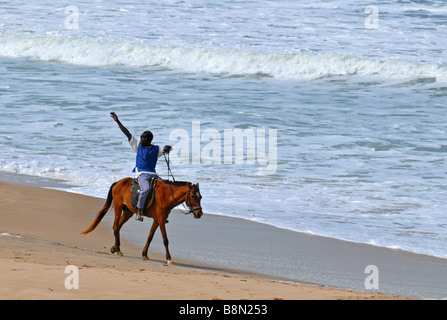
x: 135, y: 189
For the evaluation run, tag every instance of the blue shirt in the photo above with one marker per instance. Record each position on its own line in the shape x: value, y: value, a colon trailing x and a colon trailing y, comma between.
x: 146, y: 158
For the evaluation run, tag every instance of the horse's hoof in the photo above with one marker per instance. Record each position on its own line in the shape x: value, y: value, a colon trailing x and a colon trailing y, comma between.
x: 113, y: 250
x: 170, y: 262
x: 145, y: 258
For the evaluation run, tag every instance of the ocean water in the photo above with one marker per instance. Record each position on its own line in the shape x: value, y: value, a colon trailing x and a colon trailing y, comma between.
x: 342, y: 105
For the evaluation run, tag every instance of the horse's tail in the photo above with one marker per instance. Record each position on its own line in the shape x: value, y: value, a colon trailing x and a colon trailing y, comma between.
x: 101, y: 213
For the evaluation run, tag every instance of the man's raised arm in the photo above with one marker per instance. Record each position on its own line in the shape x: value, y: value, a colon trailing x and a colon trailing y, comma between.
x: 123, y: 128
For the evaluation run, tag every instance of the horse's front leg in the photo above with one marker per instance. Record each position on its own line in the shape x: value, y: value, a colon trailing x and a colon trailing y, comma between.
x: 166, y: 243
x: 149, y: 239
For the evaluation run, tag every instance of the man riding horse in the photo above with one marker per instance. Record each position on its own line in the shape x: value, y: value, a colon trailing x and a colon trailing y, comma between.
x: 146, y: 160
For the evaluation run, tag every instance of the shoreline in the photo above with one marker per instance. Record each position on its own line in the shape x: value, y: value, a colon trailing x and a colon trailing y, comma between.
x: 57, y: 184
x: 198, y: 250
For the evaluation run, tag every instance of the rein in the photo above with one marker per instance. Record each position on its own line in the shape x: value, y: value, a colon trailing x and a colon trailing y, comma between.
x: 188, y: 196
x: 169, y: 168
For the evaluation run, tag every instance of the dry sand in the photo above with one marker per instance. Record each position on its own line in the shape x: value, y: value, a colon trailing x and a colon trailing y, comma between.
x: 40, y: 236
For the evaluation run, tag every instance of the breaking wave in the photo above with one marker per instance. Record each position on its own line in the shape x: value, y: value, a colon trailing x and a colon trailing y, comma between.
x: 299, y: 66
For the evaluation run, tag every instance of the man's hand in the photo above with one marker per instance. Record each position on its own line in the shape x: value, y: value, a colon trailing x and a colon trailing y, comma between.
x: 114, y: 116
x: 123, y: 128
x: 167, y: 149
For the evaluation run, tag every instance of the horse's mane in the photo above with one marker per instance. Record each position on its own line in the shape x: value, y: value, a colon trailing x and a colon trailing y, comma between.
x: 176, y: 183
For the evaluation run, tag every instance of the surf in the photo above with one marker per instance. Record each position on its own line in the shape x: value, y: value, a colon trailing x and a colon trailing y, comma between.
x: 297, y: 66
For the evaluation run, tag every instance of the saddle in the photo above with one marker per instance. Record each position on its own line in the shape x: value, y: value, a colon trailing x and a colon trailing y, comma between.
x: 135, y: 189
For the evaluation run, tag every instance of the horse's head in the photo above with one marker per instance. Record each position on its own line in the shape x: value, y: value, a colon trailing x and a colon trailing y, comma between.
x: 193, y: 200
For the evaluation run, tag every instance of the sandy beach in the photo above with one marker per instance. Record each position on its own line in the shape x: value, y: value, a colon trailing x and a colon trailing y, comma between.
x: 40, y: 236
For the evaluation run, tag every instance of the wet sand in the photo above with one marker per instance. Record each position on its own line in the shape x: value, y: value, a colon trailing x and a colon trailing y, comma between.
x: 215, y: 257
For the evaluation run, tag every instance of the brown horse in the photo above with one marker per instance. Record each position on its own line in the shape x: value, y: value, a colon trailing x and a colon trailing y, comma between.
x: 168, y: 195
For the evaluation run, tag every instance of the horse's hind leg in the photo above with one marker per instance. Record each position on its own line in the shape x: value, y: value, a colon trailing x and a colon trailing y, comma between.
x: 116, y: 233
x: 149, y: 239
x: 116, y: 228
x: 122, y: 218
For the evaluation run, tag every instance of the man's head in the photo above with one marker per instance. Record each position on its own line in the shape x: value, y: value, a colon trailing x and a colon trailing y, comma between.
x: 146, y: 138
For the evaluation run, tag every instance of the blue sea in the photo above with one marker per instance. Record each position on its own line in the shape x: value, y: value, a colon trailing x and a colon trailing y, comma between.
x: 336, y: 111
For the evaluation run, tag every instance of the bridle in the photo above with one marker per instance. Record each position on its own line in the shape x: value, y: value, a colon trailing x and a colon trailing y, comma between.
x: 188, y: 198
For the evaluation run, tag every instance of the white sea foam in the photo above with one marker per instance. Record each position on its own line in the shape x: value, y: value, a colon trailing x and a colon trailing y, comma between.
x: 299, y: 66
x: 9, y: 235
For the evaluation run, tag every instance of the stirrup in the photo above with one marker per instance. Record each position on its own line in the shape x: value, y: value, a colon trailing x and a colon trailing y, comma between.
x: 139, y: 216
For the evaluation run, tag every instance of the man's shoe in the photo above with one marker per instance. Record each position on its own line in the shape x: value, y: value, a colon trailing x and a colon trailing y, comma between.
x: 139, y: 216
